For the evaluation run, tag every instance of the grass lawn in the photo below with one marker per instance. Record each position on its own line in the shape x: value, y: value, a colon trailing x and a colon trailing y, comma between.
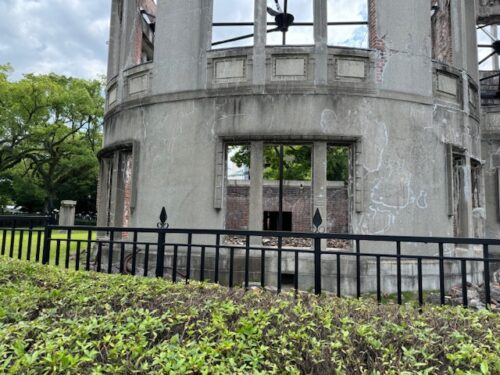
x: 18, y: 245
x: 54, y: 321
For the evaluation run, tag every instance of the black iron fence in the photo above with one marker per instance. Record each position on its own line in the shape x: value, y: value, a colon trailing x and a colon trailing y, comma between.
x: 242, y: 257
x: 25, y: 221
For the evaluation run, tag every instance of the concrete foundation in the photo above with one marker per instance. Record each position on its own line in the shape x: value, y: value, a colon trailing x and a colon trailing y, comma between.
x: 348, y: 286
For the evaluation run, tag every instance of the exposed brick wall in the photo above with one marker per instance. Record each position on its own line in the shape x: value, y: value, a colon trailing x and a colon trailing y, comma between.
x: 237, y: 207
x: 375, y: 41
x: 442, y: 50
x: 296, y: 199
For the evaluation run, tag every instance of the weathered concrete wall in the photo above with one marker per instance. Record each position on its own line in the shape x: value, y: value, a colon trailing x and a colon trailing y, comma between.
x: 402, y: 158
x: 404, y: 115
x: 488, y: 11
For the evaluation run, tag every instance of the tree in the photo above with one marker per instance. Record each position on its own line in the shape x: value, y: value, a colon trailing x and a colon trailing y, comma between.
x: 297, y: 163
x: 51, y: 128
x: 17, y: 118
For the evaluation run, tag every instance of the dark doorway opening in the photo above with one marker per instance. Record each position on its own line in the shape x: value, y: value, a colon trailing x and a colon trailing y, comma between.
x: 271, y: 219
x: 287, y: 280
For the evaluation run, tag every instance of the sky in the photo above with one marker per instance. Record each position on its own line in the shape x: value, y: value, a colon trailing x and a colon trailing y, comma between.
x: 62, y: 36
x: 302, y: 10
x: 486, y: 36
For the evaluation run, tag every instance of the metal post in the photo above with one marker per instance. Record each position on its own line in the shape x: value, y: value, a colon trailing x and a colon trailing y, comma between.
x: 160, y: 246
x: 441, y: 274
x: 317, y: 265
x: 160, y: 253
x: 487, y: 291
x: 398, y: 264
x: 46, y: 245
x: 280, y: 203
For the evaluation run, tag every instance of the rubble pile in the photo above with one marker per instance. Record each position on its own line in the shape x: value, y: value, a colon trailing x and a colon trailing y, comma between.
x: 476, y: 295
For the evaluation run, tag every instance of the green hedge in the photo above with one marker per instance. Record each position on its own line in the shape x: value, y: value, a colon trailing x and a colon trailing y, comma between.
x: 52, y: 321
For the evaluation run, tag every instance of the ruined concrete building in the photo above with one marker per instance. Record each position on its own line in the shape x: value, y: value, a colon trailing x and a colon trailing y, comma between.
x: 372, y: 107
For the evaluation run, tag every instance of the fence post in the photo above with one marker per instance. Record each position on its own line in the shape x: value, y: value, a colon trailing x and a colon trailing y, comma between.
x: 160, y: 247
x: 487, y: 291
x: 317, y: 265
x: 46, y: 245
x: 160, y: 253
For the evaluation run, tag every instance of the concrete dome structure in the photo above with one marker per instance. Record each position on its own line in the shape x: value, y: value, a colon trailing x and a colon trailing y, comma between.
x: 405, y: 108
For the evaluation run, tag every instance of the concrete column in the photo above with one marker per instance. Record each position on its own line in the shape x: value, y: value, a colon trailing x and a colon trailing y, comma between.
x: 256, y: 185
x: 102, y: 193
x: 319, y: 180
x: 456, y: 9
x: 181, y: 44
x: 469, y: 29
x: 130, y: 13
x: 67, y: 213
x: 206, y: 39
x: 320, y: 42
x: 466, y: 209
x: 114, y: 40
x: 114, y: 189
x: 259, y: 47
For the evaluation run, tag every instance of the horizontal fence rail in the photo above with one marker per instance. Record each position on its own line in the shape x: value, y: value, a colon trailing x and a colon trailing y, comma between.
x: 367, y: 264
x: 25, y: 221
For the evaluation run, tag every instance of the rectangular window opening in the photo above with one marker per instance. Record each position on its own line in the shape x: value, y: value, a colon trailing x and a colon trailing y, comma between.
x: 459, y: 199
x: 232, y: 24
x: 271, y: 221
x: 237, y: 186
x: 338, y: 173
x: 475, y: 168
x: 287, y: 279
x: 148, y: 25
x: 348, y: 24
x: 299, y: 32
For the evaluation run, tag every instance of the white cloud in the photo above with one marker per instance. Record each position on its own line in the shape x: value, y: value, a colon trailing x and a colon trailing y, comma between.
x: 62, y: 36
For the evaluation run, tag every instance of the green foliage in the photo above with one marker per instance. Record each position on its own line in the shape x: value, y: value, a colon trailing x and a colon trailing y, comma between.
x: 53, y: 322
x: 50, y: 130
x: 297, y: 162
x: 337, y: 165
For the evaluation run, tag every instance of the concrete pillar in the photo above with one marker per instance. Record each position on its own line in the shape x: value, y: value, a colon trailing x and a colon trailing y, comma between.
x: 464, y: 36
x: 409, y: 67
x: 469, y: 28
x: 114, y: 189
x: 456, y: 9
x: 130, y: 12
x: 320, y: 180
x: 67, y: 213
x: 466, y: 198
x: 320, y: 42
x: 180, y: 57
x: 494, y: 34
x: 114, y: 39
x: 256, y: 185
x: 259, y: 47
